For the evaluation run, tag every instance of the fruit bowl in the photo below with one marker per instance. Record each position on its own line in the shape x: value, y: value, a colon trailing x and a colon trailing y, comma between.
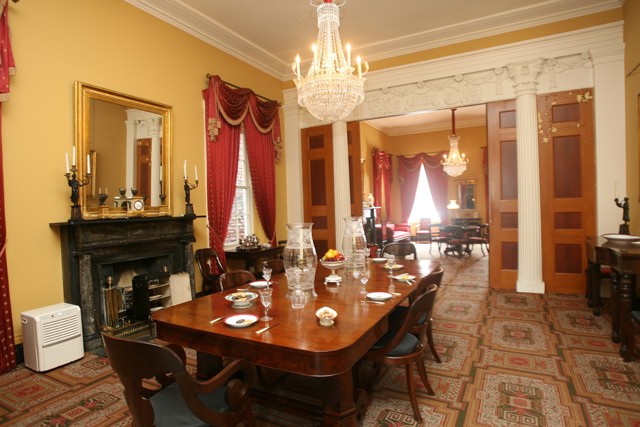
x: 333, y: 266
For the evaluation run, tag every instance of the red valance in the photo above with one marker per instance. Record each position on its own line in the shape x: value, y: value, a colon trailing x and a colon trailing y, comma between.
x: 233, y: 104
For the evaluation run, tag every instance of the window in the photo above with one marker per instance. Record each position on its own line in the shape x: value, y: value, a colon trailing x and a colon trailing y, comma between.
x: 423, y: 206
x: 241, y: 221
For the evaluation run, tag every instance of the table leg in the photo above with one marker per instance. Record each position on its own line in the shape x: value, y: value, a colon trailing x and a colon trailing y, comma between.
x: 627, y: 292
x: 593, y: 287
x: 207, y: 365
x: 340, y: 407
x: 615, y: 306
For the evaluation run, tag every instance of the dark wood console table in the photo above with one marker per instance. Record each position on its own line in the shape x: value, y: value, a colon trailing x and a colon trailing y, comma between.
x: 624, y: 259
x: 250, y: 256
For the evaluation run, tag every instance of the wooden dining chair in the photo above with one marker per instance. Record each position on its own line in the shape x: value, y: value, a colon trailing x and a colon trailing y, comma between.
x: 481, y: 239
x: 234, y: 278
x: 400, y: 250
x: 179, y: 399
x: 210, y: 267
x: 401, y: 347
x: 397, y: 315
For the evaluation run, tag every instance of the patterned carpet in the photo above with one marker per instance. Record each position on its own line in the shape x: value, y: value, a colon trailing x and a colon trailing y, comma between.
x: 508, y: 359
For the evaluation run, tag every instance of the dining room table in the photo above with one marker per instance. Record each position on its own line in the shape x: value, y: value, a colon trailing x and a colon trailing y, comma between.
x: 295, y: 341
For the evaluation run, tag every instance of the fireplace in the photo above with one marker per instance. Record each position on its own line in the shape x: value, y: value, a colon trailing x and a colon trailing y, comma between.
x: 99, y: 254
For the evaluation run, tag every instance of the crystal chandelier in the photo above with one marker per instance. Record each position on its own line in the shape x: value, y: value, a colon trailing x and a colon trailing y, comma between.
x: 330, y: 91
x: 455, y: 163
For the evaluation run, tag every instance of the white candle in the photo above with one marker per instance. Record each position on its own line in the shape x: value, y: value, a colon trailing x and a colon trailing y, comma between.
x: 88, y: 164
x: 106, y: 190
x: 99, y: 190
x: 349, y: 55
x: 185, y: 169
x: 66, y: 158
x: 196, y: 168
x: 160, y: 172
x: 74, y: 156
x: 298, y: 65
x: 359, y: 61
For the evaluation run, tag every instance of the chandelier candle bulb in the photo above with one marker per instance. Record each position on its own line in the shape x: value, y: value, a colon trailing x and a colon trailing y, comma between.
x: 349, y: 57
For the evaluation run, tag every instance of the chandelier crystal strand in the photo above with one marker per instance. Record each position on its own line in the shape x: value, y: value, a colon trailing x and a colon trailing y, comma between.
x: 330, y: 91
x: 455, y: 163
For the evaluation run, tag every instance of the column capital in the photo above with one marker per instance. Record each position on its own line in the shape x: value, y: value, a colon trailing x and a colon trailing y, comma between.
x: 525, y: 76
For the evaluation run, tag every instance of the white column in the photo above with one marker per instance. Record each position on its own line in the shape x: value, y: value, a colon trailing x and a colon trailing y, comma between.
x: 155, y: 132
x: 525, y: 77
x: 609, y: 106
x: 293, y: 157
x: 342, y: 198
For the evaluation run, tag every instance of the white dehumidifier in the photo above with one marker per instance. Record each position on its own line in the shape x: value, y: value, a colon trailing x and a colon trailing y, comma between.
x: 52, y: 336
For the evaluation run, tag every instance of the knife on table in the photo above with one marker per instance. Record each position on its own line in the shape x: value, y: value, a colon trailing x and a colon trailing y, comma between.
x: 266, y: 328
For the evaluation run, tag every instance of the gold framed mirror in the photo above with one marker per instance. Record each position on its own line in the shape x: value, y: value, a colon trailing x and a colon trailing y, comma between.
x: 128, y: 142
x: 467, y: 194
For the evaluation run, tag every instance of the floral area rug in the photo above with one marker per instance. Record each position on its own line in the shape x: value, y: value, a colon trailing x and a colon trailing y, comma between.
x: 508, y: 359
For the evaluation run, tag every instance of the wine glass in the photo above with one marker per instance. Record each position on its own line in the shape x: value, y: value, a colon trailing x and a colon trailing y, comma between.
x: 364, y: 278
x: 266, y: 272
x: 391, y: 261
x: 266, y: 299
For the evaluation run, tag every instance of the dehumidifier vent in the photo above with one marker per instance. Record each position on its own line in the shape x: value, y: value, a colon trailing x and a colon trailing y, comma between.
x: 59, y: 330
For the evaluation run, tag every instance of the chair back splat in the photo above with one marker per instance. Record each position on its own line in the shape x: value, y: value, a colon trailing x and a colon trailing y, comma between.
x: 181, y: 399
x: 400, y: 249
x: 210, y: 267
x: 234, y: 278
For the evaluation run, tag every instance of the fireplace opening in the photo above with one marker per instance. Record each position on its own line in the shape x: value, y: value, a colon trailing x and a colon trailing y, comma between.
x: 130, y: 291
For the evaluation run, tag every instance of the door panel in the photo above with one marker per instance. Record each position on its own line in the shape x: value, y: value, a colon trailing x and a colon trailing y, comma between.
x: 567, y: 192
x: 317, y: 185
x: 318, y: 180
x: 503, y: 194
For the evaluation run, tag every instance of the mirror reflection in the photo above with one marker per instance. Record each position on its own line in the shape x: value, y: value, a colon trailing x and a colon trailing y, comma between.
x: 467, y: 194
x: 128, y: 140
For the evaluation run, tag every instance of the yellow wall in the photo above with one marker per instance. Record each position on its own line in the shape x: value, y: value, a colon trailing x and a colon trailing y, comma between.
x: 114, y: 45
x: 472, y: 140
x: 632, y: 90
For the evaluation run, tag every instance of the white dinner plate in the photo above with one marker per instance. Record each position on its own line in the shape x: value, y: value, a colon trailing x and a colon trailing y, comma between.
x: 241, y: 320
x: 379, y: 260
x: 379, y: 296
x: 394, y: 267
x: 259, y: 284
x: 621, y: 237
x: 404, y: 277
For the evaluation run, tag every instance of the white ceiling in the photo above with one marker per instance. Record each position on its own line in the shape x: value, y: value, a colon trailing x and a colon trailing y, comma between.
x: 269, y: 34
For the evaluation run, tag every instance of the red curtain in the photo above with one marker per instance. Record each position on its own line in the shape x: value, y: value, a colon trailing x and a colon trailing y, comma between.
x: 261, y: 153
x: 7, y: 67
x: 438, y: 182
x: 226, y: 111
x: 382, y: 179
x: 409, y: 174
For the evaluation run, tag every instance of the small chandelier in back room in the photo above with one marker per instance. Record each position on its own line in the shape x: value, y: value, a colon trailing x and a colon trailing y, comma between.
x: 331, y: 90
x: 454, y: 163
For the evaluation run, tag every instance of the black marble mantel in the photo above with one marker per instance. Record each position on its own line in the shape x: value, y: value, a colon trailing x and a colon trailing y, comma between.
x: 90, y: 246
